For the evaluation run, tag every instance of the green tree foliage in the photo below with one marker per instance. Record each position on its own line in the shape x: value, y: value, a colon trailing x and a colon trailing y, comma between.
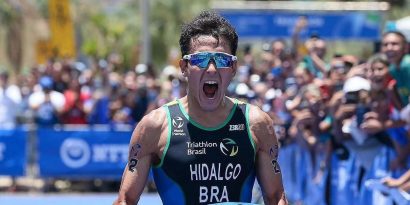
x: 166, y: 20
x: 107, y: 29
x: 11, y: 16
x: 114, y: 26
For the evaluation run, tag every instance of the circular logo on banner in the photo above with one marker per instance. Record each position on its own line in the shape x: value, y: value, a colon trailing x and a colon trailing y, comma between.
x: 75, y: 153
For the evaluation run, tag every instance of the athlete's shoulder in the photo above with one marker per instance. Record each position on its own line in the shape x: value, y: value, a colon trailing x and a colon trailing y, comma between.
x: 174, y: 102
x: 149, y: 131
x: 154, y: 120
x: 258, y: 115
x: 261, y: 126
x: 239, y: 101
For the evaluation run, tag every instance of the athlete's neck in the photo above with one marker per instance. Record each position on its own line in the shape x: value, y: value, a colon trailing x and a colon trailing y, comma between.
x: 207, y: 118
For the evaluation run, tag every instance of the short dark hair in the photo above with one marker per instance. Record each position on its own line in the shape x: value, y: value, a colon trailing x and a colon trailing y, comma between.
x: 398, y: 33
x: 208, y: 23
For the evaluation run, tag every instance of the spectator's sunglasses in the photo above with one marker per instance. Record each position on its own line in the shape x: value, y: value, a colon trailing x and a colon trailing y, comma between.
x: 201, y: 59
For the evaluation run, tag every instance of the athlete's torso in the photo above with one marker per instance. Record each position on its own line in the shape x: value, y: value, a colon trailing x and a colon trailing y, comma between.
x: 206, y: 165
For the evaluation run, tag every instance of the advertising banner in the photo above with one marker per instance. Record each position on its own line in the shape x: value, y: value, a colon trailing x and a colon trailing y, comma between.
x: 13, y: 152
x: 82, y: 153
x: 334, y: 25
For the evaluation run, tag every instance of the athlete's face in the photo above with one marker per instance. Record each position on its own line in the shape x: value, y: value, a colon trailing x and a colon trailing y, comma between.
x: 207, y: 85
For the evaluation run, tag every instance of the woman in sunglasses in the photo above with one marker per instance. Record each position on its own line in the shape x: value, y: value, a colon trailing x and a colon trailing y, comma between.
x: 206, y: 147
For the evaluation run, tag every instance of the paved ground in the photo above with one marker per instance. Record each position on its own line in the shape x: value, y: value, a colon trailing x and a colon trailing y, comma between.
x: 70, y: 199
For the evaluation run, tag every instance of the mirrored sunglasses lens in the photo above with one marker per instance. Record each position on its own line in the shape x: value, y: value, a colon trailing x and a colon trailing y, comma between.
x: 200, y: 59
x: 222, y: 60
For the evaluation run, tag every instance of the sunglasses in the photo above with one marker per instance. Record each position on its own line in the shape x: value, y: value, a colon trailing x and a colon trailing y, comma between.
x: 201, y: 59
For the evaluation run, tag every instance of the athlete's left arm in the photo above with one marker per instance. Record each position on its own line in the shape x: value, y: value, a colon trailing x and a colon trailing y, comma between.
x: 267, y: 151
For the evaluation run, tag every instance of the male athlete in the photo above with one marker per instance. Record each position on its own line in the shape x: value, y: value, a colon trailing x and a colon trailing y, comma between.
x: 205, y: 148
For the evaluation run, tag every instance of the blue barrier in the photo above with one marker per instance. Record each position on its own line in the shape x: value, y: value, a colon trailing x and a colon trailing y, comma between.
x: 91, y: 152
x: 82, y: 153
x: 302, y: 179
x: 329, y: 25
x: 344, y: 188
x: 13, y: 152
x: 380, y: 169
x: 287, y: 163
x: 316, y: 179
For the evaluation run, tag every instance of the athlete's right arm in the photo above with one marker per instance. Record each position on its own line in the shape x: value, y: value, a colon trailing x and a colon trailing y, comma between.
x: 145, y: 147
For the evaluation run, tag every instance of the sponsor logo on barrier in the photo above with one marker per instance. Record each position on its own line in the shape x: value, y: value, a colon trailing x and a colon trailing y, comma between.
x: 111, y: 153
x: 2, y: 150
x: 75, y: 153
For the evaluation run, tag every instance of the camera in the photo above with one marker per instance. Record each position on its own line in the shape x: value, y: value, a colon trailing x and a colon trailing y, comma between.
x: 352, y: 98
x: 361, y: 110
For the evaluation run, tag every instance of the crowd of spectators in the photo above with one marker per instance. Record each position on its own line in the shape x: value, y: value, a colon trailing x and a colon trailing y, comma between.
x: 344, y: 106
x: 347, y: 107
x: 72, y: 93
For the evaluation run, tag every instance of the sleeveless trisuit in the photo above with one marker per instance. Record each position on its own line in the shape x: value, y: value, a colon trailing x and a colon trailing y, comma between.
x: 206, y: 165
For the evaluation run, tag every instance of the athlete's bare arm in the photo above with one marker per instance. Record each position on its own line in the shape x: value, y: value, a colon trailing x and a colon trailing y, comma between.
x: 267, y: 150
x: 146, y: 146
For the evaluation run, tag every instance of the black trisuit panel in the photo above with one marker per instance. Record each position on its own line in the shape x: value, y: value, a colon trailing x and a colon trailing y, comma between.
x: 206, y: 165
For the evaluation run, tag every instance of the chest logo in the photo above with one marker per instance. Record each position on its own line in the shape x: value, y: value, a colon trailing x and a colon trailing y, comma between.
x: 177, y: 122
x: 228, y: 147
x: 238, y: 127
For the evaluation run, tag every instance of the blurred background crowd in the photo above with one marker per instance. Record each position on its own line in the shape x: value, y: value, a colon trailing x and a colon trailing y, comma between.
x: 325, y: 105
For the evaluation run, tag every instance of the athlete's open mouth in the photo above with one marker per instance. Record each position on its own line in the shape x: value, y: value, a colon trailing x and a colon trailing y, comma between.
x: 210, y: 88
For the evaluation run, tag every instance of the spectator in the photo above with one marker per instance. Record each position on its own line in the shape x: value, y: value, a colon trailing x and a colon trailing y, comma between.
x: 382, y: 80
x: 74, y: 112
x: 141, y: 103
x: 337, y: 73
x: 121, y: 107
x: 99, y: 112
x: 47, y: 103
x: 278, y: 49
x: 10, y: 98
x: 314, y: 60
x: 394, y: 45
x: 303, y: 77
